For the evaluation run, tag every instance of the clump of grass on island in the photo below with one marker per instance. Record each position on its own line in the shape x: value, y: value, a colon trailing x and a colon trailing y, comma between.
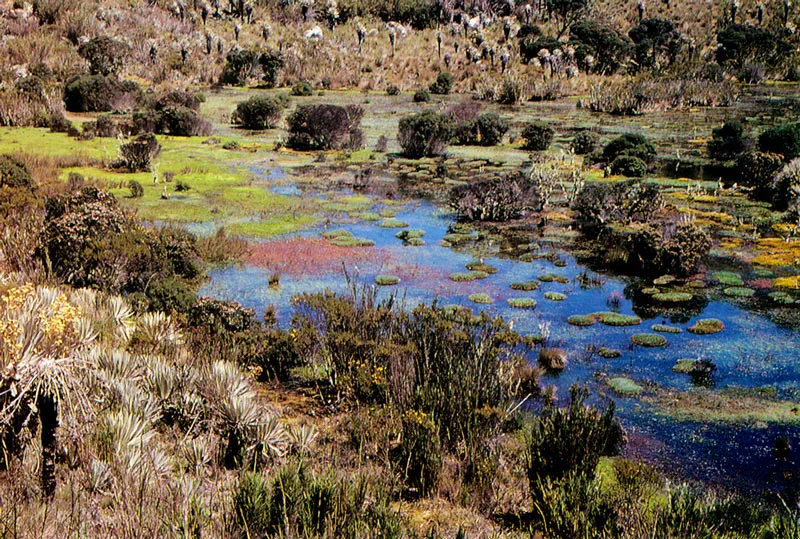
x: 648, y: 340
x: 463, y: 277
x: 781, y: 298
x: 387, y: 280
x: 706, y: 326
x: 581, y: 320
x: 651, y: 291
x: 351, y: 241
x: 335, y: 234
x: 728, y: 278
x: 367, y: 216
x: 552, y: 277
x: 672, y: 297
x: 476, y: 265
x: 533, y: 339
x: 552, y: 359
x: 393, y: 223
x: 410, y: 234
x: 617, y: 319
x: 662, y: 328
x: 739, y: 292
x: 457, y: 238
x: 480, y: 298
x: 664, y: 280
x: 624, y: 386
x: 609, y: 353
x: 527, y: 286
x: 555, y: 296
x: 522, y: 303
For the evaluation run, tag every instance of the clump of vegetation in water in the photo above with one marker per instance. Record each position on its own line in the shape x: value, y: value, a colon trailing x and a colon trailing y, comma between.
x: 552, y: 277
x: 581, y: 320
x: 461, y: 277
x: 477, y: 265
x: 608, y: 353
x: 672, y: 297
x: 522, y: 303
x: 526, y: 286
x: 661, y: 328
x: 617, y: 319
x: 706, y: 326
x: 387, y: 280
x: 480, y: 298
x: 392, y: 223
x: 552, y: 359
x: 728, y: 278
x: 555, y: 296
x: 739, y: 292
x: 624, y: 386
x: 648, y: 340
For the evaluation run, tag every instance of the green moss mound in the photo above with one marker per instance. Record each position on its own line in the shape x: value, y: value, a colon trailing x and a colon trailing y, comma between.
x: 581, y: 320
x: 554, y: 296
x: 480, y: 298
x: 781, y: 298
x: 609, y: 353
x: 664, y: 280
x: 367, y: 216
x: 651, y: 291
x: 463, y: 277
x: 410, y: 234
x: 728, y: 278
x: 457, y: 238
x: 739, y: 292
x: 522, y: 303
x: 480, y: 266
x: 661, y: 328
x: 533, y: 339
x: 393, y: 223
x: 351, y: 241
x: 707, y: 326
x: 386, y: 280
x: 552, y: 277
x: 527, y: 286
x: 648, y: 340
x: 685, y: 366
x: 673, y: 297
x: 415, y: 242
x: 617, y: 319
x: 334, y: 234
x: 624, y: 386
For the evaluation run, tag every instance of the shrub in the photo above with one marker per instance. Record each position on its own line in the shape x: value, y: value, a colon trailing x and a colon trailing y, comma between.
x: 785, y: 187
x: 139, y: 153
x: 137, y: 191
x: 443, y: 84
x: 628, y: 165
x: 537, y: 136
x: 783, y: 140
x: 178, y: 98
x: 629, y: 145
x: 259, y: 112
x: 98, y: 93
x: 584, y: 142
x: 271, y: 63
x: 499, y: 199
x: 740, y: 44
x: 422, y: 96
x: 105, y: 55
x: 325, y: 127
x: 104, y: 126
x: 59, y: 124
x: 14, y: 173
x: 684, y: 250
x: 170, y: 295
x: 757, y: 170
x: 727, y: 142
x: 486, y: 130
x: 752, y: 73
x: 418, y: 457
x: 531, y: 44
x: 600, y: 204
x: 606, y: 45
x: 302, y: 88
x: 180, y: 121
x: 250, y: 502
x: 571, y: 440
x: 426, y: 134
x: 240, y: 65
x: 657, y: 43
x: 392, y: 90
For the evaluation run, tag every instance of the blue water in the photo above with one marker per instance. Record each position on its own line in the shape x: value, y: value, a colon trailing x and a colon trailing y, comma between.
x: 751, y: 352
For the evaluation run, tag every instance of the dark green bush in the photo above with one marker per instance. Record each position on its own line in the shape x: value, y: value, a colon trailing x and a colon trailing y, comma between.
x: 418, y: 457
x: 683, y: 252
x: 104, y: 54
x: 530, y: 45
x: 271, y: 63
x: 537, y: 136
x: 98, y: 93
x: 783, y: 140
x: 325, y: 127
x: 499, y: 199
x: 302, y: 88
x: 757, y: 170
x: 137, y: 191
x: 60, y: 124
x: 443, y: 84
x: 170, y: 295
x: 139, y: 153
x: 14, y: 173
x: 657, y: 43
x: 392, y: 90
x: 630, y: 145
x: 727, y: 142
x: 608, y: 47
x: 240, y: 65
x: 180, y: 121
x: 628, y: 165
x: 585, y: 142
x: 422, y: 96
x: 259, y: 112
x: 600, y: 204
x: 786, y: 187
x: 487, y: 129
x: 178, y: 98
x: 426, y: 134
x: 740, y: 44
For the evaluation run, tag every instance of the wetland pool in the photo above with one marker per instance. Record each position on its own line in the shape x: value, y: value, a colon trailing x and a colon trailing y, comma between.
x: 752, y: 353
